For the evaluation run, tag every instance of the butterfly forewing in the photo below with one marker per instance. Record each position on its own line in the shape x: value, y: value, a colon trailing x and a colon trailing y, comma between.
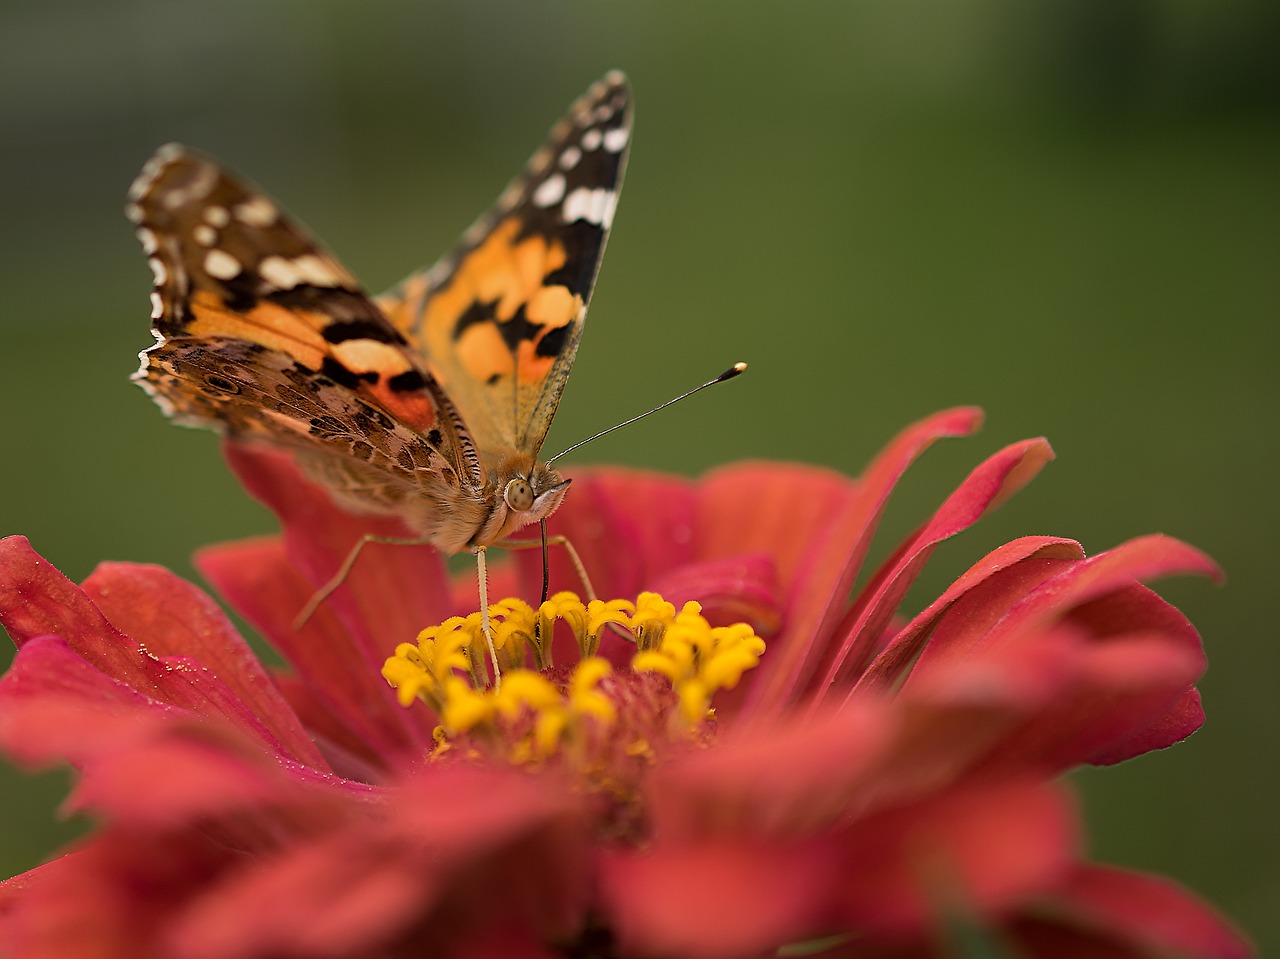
x: 498, y: 319
x: 263, y: 334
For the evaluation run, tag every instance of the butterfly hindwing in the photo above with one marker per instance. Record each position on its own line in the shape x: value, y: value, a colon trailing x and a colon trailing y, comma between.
x: 498, y: 320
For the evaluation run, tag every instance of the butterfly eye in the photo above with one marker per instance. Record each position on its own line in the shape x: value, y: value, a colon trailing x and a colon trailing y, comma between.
x: 519, y: 494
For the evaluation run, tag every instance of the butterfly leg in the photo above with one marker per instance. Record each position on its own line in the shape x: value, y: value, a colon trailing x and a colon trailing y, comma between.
x: 482, y: 573
x: 344, y: 571
x: 574, y: 559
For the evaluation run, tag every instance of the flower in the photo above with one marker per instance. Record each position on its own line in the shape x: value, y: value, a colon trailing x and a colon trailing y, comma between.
x: 856, y: 783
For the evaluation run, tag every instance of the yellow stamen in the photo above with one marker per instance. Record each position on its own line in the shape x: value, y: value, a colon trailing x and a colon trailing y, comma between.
x: 535, y: 716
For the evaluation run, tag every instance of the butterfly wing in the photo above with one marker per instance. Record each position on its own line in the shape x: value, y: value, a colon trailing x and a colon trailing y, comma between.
x: 498, y: 319
x: 262, y: 334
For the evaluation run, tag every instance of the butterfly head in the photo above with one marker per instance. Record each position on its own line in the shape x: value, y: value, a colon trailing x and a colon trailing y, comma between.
x: 522, y: 491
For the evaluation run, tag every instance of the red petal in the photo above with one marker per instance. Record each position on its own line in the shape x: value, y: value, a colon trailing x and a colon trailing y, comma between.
x: 743, y: 589
x: 191, y: 771
x: 821, y: 532
x: 1115, y: 692
x: 36, y: 600
x: 1100, y: 596
x: 178, y: 619
x: 506, y: 944
x: 986, y: 848
x: 1138, y: 608
x: 257, y: 578
x: 107, y: 900
x: 1178, y: 721
x: 54, y: 705
x: 1151, y: 912
x: 1142, y: 559
x: 715, y: 900
x: 390, y: 594
x: 627, y: 525
x: 456, y: 850
x: 985, y: 488
x: 347, y: 754
x: 897, y: 657
x: 803, y: 772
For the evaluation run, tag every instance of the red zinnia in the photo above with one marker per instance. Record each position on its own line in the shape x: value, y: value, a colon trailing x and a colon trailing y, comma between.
x: 870, y: 788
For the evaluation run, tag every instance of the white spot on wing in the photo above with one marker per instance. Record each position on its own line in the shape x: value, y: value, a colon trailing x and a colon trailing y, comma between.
x: 570, y: 157
x: 221, y: 265
x: 157, y: 306
x: 157, y: 270
x: 279, y: 272
x: 316, y: 271
x: 256, y: 211
x: 591, y: 140
x: 205, y: 235
x: 616, y: 139
x: 217, y: 216
x: 550, y: 191
x: 148, y: 241
x: 595, y: 206
x: 286, y: 274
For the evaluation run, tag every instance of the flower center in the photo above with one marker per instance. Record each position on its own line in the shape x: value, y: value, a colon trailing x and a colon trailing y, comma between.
x: 604, y: 723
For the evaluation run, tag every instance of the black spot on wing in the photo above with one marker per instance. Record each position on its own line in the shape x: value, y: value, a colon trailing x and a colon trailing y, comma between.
x: 239, y: 294
x: 344, y: 376
x: 350, y: 310
x: 582, y: 242
x: 518, y: 329
x: 553, y: 341
x: 477, y: 312
x: 409, y: 381
x: 343, y: 330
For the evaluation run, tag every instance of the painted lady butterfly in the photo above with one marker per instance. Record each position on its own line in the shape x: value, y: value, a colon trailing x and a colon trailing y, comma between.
x: 430, y: 402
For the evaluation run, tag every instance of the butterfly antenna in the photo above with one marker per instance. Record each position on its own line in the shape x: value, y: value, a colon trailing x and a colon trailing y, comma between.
x: 728, y: 374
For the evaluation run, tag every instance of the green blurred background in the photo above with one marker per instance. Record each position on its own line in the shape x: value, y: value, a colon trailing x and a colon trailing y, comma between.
x: 1067, y: 212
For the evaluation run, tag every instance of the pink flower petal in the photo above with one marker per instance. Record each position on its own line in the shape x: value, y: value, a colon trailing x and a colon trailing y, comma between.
x: 821, y: 537
x: 1153, y: 913
x: 601, y: 517
x: 985, y: 488
x: 178, y: 619
x: 988, y: 847
x: 1099, y: 595
x: 458, y: 849
x: 897, y: 657
x: 1137, y: 607
x: 1141, y: 559
x: 36, y: 600
x: 391, y: 593
x: 55, y: 706
x: 710, y: 900
x: 257, y: 578
x: 1115, y: 692
x: 803, y: 772
x: 108, y: 899
x: 347, y: 754
x: 743, y: 589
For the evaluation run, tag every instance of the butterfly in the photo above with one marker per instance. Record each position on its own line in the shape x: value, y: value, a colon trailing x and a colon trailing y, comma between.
x: 430, y: 402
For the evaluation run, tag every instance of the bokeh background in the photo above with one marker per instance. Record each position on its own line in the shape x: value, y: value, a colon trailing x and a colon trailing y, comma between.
x: 1067, y: 211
